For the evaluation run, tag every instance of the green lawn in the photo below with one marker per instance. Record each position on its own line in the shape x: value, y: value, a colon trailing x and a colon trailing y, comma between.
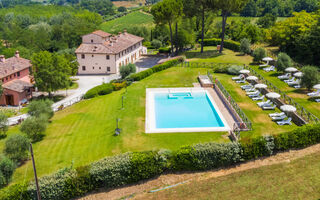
x: 299, y: 179
x: 131, y: 20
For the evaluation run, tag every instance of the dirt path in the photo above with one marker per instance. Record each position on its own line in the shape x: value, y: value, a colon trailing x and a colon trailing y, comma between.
x: 138, y: 190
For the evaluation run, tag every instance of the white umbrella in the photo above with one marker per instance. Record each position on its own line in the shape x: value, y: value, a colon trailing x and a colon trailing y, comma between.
x: 291, y: 69
x: 252, y: 78
x: 298, y: 74
x: 244, y: 71
x: 273, y: 95
x: 267, y: 59
x: 317, y: 87
x: 288, y: 108
x: 260, y: 86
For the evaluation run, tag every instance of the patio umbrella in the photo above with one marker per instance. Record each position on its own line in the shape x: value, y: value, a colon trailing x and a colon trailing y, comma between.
x: 260, y: 86
x: 317, y: 87
x: 288, y: 108
x: 298, y: 74
x: 291, y: 69
x: 267, y: 59
x: 273, y: 95
x: 252, y: 78
x: 244, y: 71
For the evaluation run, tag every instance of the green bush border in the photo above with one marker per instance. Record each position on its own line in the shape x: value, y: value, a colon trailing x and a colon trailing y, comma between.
x: 229, y: 44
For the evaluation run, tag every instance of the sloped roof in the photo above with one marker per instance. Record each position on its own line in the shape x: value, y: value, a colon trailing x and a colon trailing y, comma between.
x: 12, y: 65
x: 101, y: 33
x: 17, y: 85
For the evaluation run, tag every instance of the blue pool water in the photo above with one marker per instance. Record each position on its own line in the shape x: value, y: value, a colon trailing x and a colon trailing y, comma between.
x: 185, y: 110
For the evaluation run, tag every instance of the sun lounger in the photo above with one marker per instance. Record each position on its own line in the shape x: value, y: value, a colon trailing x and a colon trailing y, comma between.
x: 241, y: 76
x: 264, y: 103
x: 277, y: 114
x: 269, y: 107
x: 297, y: 82
x: 251, y: 90
x: 255, y: 92
x: 264, y: 65
x: 269, y: 69
x: 317, y: 100
x: 241, y: 81
x: 277, y: 118
x: 285, y: 122
x: 283, y: 77
x: 258, y: 98
x: 254, y: 95
x: 246, y: 87
x: 290, y: 80
x: 314, y: 94
x: 297, y: 86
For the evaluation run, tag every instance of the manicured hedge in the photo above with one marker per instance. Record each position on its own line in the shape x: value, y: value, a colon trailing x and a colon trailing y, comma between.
x: 103, y: 89
x: 229, y: 44
x: 164, y: 50
x: 132, y: 167
x: 141, y: 75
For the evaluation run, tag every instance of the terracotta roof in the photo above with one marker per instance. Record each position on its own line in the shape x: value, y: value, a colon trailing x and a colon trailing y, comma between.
x: 12, y: 65
x: 101, y: 33
x: 114, y: 45
x: 17, y: 85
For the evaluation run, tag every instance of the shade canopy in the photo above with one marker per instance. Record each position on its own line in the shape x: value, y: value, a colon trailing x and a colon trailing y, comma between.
x: 244, y: 71
x: 260, y: 86
x: 298, y: 74
x: 291, y: 69
x: 252, y: 78
x: 267, y: 59
x: 317, y: 87
x: 288, y: 108
x: 273, y: 95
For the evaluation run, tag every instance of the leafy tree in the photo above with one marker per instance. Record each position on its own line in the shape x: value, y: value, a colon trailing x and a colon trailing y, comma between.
x: 126, y: 70
x: 284, y: 61
x: 259, y: 54
x: 227, y: 7
x: 34, y: 127
x: 7, y: 168
x: 267, y: 21
x: 310, y: 77
x: 16, y: 147
x: 103, y: 7
x: 52, y: 71
x: 250, y: 10
x: 122, y: 9
x: 167, y: 12
x: 3, y: 125
x: 40, y: 108
x: 245, y: 46
x: 156, y: 43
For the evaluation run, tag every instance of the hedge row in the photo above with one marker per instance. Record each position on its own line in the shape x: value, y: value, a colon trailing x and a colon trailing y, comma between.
x: 229, y: 44
x: 103, y: 89
x: 141, y: 75
x: 133, y: 167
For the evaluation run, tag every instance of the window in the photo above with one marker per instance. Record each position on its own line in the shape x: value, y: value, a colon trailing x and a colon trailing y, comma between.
x: 92, y: 56
x: 83, y: 68
x: 2, y: 80
x: 108, y: 69
x: 92, y: 67
x: 108, y: 57
x: 99, y: 67
x: 14, y: 74
x: 91, y: 41
x: 18, y: 74
x: 6, y: 78
x: 83, y: 56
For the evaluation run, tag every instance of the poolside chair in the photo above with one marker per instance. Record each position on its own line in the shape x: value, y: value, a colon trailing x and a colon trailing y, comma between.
x: 296, y: 82
x: 241, y: 76
x: 317, y: 100
x: 283, y: 77
x: 251, y: 90
x: 264, y: 65
x: 255, y: 92
x: 276, y: 114
x: 244, y: 87
x: 269, y: 107
x: 265, y: 103
x: 278, y: 118
x: 269, y: 69
x: 297, y: 86
x: 314, y: 94
x: 289, y: 80
x: 241, y: 81
x: 258, y: 98
x: 285, y: 122
x: 254, y: 95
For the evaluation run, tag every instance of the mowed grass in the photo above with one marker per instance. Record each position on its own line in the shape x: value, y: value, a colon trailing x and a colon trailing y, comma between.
x: 299, y: 179
x: 129, y: 21
x: 299, y: 95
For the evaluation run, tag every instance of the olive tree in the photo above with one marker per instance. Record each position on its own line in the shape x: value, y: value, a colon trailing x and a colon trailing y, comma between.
x: 16, y: 147
x: 310, y: 77
x: 41, y: 107
x: 34, y: 127
x: 284, y: 61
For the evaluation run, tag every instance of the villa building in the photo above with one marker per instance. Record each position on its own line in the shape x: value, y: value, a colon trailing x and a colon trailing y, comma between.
x: 16, y: 80
x: 103, y: 53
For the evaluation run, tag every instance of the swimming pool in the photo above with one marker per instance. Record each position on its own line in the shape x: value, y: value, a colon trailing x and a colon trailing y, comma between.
x: 182, y: 110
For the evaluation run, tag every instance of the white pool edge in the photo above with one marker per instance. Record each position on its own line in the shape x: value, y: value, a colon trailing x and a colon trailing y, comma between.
x: 150, y: 121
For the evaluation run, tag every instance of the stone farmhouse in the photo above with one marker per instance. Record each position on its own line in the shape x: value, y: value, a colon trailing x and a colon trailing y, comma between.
x: 16, y: 80
x: 103, y: 53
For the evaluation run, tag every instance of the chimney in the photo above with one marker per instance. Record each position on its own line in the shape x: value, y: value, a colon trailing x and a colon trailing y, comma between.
x: 2, y: 59
x: 17, y: 54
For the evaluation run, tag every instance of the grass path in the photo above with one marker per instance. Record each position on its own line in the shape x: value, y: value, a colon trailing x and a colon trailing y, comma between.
x: 259, y: 179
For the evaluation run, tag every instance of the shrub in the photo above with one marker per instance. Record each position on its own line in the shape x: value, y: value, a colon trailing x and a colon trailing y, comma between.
x: 206, y: 156
x: 41, y: 107
x: 257, y: 147
x: 34, y: 127
x: 259, y: 54
x: 245, y: 46
x: 126, y: 70
x: 3, y: 125
x: 122, y: 9
x: 119, y: 86
x: 16, y: 147
x: 229, y: 44
x: 7, y: 168
x: 156, y: 43
x: 165, y: 50
x: 221, y: 69
x: 234, y: 69
x: 283, y: 62
x: 103, y: 89
x: 310, y: 77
